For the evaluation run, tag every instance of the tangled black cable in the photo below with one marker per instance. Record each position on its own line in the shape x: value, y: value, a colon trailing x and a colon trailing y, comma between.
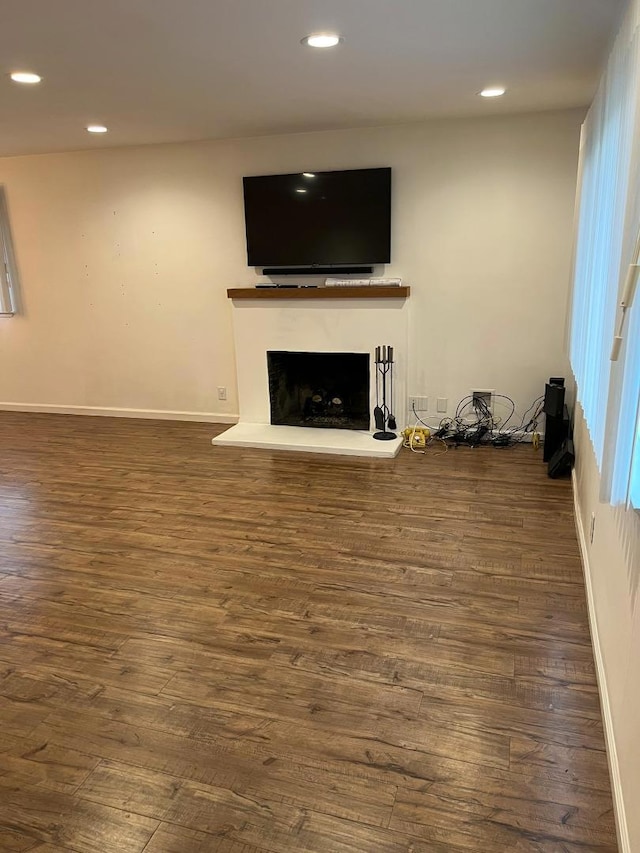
x: 485, y: 429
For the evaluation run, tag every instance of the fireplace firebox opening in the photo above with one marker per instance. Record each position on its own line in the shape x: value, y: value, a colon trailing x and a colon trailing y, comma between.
x: 319, y: 389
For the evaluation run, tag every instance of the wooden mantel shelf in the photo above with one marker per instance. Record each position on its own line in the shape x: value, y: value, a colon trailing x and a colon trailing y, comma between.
x: 374, y: 292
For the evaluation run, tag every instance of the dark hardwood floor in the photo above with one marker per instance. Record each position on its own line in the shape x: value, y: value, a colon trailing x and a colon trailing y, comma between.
x: 217, y: 650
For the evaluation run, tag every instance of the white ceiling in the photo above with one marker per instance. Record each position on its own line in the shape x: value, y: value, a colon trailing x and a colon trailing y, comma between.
x: 170, y: 70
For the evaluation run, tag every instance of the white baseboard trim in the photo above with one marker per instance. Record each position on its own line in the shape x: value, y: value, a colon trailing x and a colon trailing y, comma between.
x: 107, y: 412
x: 622, y: 830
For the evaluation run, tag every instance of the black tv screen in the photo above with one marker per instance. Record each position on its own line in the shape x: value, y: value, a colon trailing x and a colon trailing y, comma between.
x: 318, y: 218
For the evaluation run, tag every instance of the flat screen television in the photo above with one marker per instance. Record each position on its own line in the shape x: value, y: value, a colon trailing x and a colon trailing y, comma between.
x: 310, y: 219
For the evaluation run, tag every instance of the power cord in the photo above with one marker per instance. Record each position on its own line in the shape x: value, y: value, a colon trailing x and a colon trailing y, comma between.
x: 475, y: 425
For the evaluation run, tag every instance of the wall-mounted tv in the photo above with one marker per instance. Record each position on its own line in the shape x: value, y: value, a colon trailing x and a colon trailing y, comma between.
x: 309, y: 219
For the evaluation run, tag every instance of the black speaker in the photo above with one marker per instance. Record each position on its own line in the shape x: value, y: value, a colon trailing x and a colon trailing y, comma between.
x: 554, y: 398
x: 562, y: 460
x: 317, y: 270
x: 556, y: 429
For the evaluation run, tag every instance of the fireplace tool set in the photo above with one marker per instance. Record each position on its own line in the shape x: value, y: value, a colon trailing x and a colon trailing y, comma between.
x: 384, y: 420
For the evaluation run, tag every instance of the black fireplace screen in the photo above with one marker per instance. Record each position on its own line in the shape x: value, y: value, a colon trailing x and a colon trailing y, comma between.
x: 319, y: 389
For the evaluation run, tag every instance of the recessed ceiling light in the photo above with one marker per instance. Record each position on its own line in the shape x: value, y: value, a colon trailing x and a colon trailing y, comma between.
x: 308, y: 175
x: 25, y: 77
x: 322, y: 40
x: 493, y: 92
x: 97, y: 128
x: 301, y: 191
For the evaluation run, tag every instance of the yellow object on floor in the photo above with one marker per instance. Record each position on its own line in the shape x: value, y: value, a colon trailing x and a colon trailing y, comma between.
x: 416, y: 437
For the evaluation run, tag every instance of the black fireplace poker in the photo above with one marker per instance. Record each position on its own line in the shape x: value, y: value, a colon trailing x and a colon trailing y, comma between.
x: 384, y: 420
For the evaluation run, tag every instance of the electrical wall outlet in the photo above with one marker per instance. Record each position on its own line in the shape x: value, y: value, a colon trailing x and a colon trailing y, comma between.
x: 419, y: 404
x: 442, y: 404
x: 482, y: 397
x: 222, y: 393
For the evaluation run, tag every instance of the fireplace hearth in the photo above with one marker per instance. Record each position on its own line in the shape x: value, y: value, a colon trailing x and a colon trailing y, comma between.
x: 319, y: 389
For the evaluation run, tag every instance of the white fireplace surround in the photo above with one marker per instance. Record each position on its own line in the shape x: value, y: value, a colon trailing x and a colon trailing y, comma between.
x: 313, y: 325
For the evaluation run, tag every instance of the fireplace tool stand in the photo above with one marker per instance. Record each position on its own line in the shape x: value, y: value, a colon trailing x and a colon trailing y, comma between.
x: 384, y: 420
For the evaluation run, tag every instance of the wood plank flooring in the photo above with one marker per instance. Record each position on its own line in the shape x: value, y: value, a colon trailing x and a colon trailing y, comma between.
x: 218, y: 650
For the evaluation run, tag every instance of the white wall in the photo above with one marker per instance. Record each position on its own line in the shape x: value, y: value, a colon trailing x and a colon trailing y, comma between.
x: 612, y: 564
x: 126, y: 255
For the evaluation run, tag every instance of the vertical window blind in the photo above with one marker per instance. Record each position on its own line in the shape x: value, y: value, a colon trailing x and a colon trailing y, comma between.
x: 605, y: 157
x: 621, y: 464
x: 606, y: 231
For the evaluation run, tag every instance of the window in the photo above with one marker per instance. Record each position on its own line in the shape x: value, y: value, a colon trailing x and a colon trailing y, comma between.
x: 605, y: 157
x: 8, y: 276
x: 607, y: 242
x: 621, y: 469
